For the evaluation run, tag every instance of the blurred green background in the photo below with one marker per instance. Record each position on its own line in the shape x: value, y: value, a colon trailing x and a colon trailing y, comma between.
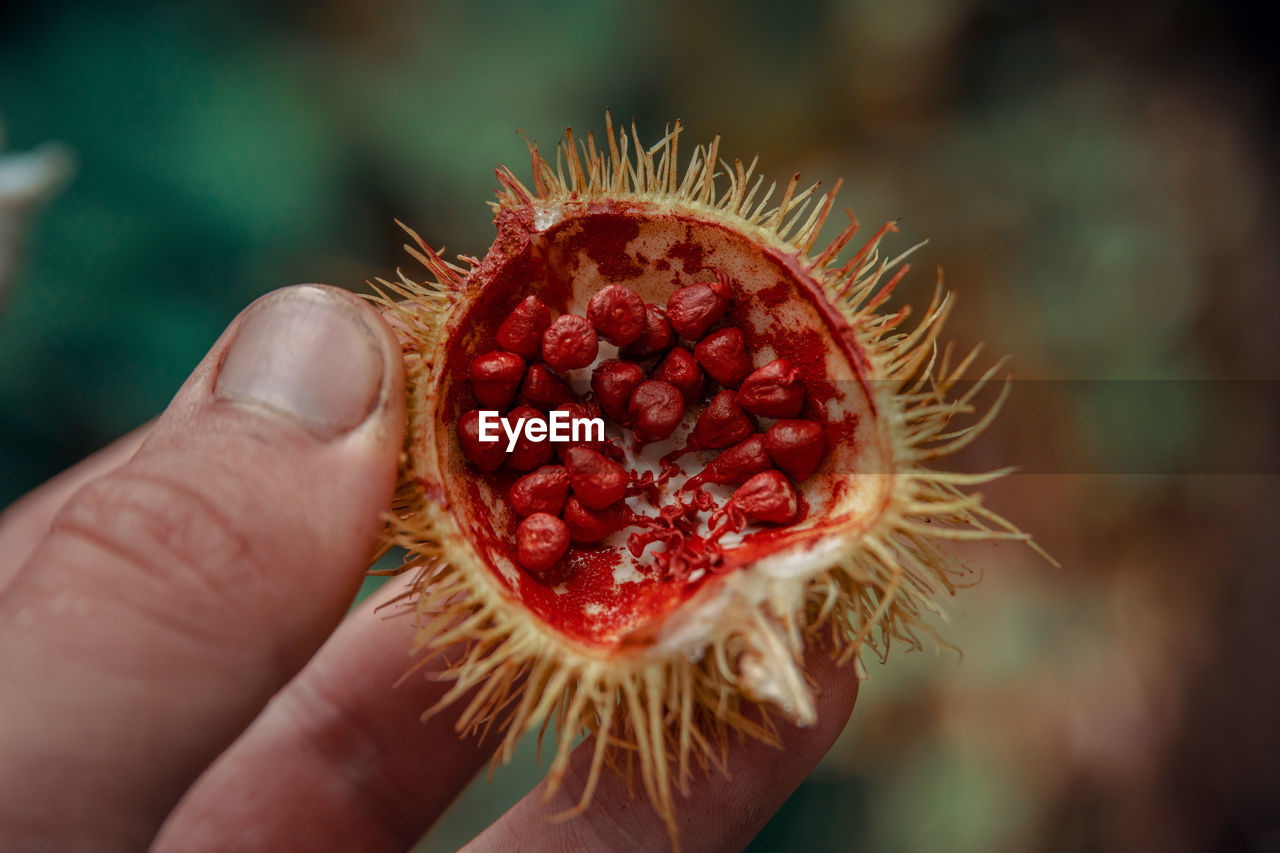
x: 1099, y: 182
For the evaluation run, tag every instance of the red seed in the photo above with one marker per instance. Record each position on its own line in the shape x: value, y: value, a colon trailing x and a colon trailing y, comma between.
x: 527, y: 453
x: 543, y: 390
x: 486, y: 455
x: 541, y: 540
x: 721, y: 424
x: 735, y: 465
x: 545, y: 490
x: 521, y: 332
x: 693, y: 309
x: 796, y: 447
x: 618, y: 314
x: 588, y: 409
x: 495, y: 376
x: 613, y: 382
x: 592, y: 525
x: 656, y: 409
x: 656, y: 337
x: 724, y: 356
x: 597, y: 481
x: 569, y: 342
x: 774, y: 391
x: 767, y: 497
x: 681, y: 369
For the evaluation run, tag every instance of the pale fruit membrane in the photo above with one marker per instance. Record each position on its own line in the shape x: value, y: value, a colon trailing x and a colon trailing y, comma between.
x: 662, y: 647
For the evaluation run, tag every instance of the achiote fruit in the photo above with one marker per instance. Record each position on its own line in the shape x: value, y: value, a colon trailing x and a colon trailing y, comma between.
x: 762, y: 481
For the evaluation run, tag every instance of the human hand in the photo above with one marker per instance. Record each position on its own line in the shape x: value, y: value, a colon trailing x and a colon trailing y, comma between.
x: 175, y: 664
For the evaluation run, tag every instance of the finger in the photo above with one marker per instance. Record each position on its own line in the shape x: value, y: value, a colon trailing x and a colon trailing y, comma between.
x: 24, y: 523
x: 339, y: 759
x: 723, y: 812
x: 176, y: 594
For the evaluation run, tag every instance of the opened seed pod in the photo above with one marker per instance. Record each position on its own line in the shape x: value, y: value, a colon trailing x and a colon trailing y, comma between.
x: 762, y: 481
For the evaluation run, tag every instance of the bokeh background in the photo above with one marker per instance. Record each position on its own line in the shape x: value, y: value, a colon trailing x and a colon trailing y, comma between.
x: 1099, y: 181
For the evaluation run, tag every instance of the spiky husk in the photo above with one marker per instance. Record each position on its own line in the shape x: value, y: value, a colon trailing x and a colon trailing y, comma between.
x: 669, y: 709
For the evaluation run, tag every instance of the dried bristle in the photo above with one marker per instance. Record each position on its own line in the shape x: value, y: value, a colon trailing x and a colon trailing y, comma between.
x: 881, y: 584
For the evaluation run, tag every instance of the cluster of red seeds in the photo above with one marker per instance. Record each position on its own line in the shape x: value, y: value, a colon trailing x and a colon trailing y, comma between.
x: 647, y: 390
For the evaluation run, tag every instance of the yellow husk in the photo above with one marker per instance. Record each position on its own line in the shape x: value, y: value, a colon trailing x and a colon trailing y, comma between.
x: 669, y: 713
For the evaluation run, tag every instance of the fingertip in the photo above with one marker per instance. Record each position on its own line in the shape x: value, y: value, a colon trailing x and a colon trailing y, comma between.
x: 312, y: 353
x: 835, y: 686
x: 722, y: 811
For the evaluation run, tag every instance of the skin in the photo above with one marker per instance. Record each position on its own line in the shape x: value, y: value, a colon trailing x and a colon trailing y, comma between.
x: 177, y: 670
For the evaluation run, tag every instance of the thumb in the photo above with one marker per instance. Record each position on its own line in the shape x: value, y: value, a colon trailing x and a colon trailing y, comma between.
x: 175, y: 595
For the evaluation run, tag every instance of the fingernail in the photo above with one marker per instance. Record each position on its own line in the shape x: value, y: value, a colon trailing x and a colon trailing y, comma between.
x: 305, y: 353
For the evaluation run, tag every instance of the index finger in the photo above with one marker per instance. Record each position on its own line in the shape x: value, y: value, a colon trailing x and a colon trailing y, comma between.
x: 723, y: 812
